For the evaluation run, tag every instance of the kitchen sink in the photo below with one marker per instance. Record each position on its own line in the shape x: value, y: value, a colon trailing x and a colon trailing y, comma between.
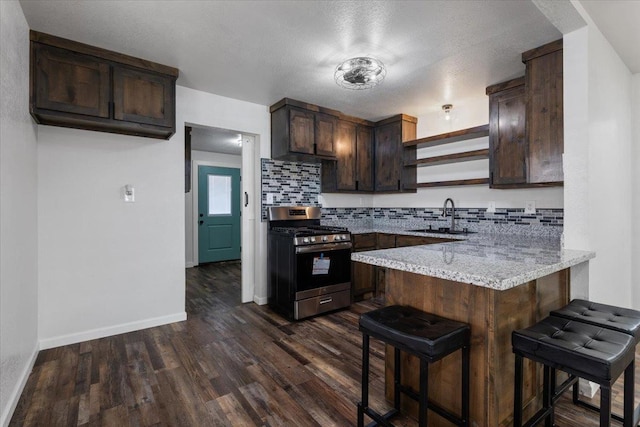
x: 442, y: 230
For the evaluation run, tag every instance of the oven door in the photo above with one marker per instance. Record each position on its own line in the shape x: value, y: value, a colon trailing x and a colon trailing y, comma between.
x: 322, y: 265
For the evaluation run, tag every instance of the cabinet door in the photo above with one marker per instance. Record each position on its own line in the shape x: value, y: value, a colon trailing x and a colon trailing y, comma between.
x: 364, y: 242
x: 364, y: 159
x: 388, y: 158
x: 403, y: 240
x: 346, y: 156
x: 507, y: 142
x: 386, y: 241
x: 301, y: 131
x: 143, y: 97
x: 72, y: 83
x: 325, y: 128
x: 363, y: 278
x: 545, y: 125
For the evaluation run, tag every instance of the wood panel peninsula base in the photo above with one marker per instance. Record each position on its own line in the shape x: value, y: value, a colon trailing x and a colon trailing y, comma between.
x: 493, y: 315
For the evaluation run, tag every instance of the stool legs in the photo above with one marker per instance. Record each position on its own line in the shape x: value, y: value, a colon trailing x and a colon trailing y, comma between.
x: 397, y: 382
x: 466, y: 354
x: 547, y: 394
x: 365, y: 380
x: 517, y: 393
x: 424, y: 393
x: 629, y: 395
x: 605, y: 405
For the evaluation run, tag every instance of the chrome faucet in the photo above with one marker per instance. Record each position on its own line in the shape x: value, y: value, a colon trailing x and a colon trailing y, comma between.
x: 453, y: 213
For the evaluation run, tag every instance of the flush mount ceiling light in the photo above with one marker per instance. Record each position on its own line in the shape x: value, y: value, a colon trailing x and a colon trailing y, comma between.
x: 447, y: 111
x: 360, y: 73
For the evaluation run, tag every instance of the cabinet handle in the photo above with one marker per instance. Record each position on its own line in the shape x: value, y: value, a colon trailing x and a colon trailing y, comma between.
x: 357, y: 184
x: 326, y: 300
x: 398, y: 184
x: 246, y: 199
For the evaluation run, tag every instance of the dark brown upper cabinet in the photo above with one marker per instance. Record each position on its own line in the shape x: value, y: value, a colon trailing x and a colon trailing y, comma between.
x: 545, y: 122
x: 526, y: 123
x: 302, y: 132
x: 507, y: 141
x: 353, y: 168
x: 395, y: 168
x: 80, y: 86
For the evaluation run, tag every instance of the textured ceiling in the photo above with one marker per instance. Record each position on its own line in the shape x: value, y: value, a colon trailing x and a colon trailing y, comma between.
x: 619, y: 21
x: 436, y: 52
x: 215, y: 140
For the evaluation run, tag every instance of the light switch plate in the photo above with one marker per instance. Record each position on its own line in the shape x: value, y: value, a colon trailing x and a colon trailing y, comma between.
x: 269, y: 198
x: 530, y: 207
x: 129, y: 194
x: 491, y: 207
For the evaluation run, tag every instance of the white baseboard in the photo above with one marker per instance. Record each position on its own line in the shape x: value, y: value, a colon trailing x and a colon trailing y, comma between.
x: 190, y: 264
x: 13, y: 399
x: 260, y: 300
x: 111, y: 330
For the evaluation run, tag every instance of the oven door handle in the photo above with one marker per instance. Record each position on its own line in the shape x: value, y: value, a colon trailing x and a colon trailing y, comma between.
x: 325, y: 247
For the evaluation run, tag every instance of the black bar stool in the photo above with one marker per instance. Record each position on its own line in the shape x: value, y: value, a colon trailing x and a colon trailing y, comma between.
x: 428, y: 337
x: 580, y: 349
x: 619, y: 319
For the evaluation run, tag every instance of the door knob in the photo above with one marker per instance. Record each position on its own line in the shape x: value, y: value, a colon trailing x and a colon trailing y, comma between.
x: 201, y: 215
x: 200, y: 222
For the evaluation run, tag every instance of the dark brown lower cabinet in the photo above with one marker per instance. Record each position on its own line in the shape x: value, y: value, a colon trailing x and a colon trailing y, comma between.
x: 367, y: 279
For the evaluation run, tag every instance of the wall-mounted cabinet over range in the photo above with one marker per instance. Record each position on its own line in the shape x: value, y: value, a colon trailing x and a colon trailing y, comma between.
x: 80, y: 86
x: 357, y: 155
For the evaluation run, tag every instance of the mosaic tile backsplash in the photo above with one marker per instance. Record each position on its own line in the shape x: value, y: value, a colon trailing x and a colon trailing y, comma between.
x: 545, y: 222
x: 294, y: 183
x: 291, y: 184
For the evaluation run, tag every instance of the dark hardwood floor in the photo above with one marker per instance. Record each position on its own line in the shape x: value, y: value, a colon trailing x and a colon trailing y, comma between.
x: 229, y: 364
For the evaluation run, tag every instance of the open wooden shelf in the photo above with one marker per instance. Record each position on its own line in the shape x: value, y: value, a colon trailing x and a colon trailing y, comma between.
x: 450, y: 137
x: 474, y: 181
x: 466, y: 156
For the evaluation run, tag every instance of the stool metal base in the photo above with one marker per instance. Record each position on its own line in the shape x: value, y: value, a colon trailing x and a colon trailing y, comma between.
x: 421, y: 397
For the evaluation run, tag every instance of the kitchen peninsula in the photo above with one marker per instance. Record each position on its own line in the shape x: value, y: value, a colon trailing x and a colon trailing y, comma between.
x: 495, y: 283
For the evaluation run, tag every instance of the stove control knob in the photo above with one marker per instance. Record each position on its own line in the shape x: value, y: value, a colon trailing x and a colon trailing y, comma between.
x: 313, y: 239
x: 325, y: 238
x: 336, y: 237
x: 305, y: 240
x: 344, y: 237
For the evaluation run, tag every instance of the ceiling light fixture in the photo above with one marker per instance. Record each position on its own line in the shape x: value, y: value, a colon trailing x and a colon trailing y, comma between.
x: 447, y: 111
x: 360, y: 73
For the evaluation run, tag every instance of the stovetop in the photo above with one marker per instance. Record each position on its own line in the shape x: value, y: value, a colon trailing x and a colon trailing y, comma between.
x: 310, y: 230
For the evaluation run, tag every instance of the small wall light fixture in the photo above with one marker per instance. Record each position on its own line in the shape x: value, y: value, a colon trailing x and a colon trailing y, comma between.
x: 447, y: 111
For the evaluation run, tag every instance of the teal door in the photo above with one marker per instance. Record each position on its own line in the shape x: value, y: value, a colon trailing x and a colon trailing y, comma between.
x: 218, y: 214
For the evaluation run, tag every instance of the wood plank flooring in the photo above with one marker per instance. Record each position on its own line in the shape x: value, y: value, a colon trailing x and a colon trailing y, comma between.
x: 229, y: 364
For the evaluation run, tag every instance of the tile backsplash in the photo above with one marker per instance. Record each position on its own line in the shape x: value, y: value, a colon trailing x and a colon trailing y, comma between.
x: 290, y: 183
x: 545, y: 222
x: 294, y: 183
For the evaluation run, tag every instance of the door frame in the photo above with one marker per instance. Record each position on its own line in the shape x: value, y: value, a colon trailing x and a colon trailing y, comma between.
x: 248, y: 238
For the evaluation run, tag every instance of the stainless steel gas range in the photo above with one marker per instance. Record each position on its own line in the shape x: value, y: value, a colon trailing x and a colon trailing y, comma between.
x: 309, y: 265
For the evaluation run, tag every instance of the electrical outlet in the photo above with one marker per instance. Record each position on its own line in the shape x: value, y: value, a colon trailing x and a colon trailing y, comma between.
x: 491, y: 207
x: 530, y: 207
x: 269, y: 198
x: 129, y: 193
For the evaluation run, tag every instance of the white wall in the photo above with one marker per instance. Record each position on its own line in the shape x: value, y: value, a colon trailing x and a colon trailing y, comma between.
x: 598, y: 163
x: 468, y: 112
x: 18, y: 207
x: 212, y: 159
x: 635, y: 160
x: 205, y: 109
x: 107, y: 266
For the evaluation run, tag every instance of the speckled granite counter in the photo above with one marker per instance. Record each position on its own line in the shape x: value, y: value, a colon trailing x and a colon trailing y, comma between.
x: 494, y: 283
x: 495, y: 261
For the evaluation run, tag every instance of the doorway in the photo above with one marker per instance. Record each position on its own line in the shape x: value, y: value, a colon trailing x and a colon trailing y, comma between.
x: 218, y: 214
x: 223, y: 148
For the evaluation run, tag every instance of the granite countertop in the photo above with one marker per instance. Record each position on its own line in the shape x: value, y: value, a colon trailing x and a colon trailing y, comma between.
x: 491, y: 260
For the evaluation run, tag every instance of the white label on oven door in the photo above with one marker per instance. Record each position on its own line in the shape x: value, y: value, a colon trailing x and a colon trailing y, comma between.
x: 321, y: 265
